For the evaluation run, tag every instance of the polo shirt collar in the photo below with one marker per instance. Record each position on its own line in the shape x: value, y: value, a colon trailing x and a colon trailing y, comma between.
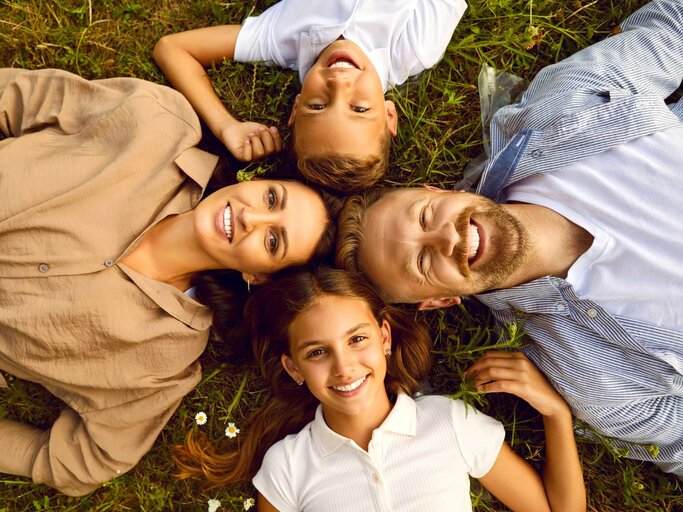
x: 402, y: 419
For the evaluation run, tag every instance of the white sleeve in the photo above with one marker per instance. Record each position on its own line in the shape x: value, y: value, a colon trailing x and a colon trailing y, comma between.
x: 263, y: 38
x: 479, y: 438
x: 430, y: 30
x: 274, y: 479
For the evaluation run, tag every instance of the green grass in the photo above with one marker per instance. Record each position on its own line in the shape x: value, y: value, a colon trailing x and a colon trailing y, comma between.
x: 440, y: 131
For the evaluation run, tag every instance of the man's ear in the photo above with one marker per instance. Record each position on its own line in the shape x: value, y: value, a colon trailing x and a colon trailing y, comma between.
x: 385, y: 329
x: 292, y: 116
x: 445, y: 302
x: 290, y: 368
x: 392, y: 117
x: 255, y: 279
x: 432, y: 188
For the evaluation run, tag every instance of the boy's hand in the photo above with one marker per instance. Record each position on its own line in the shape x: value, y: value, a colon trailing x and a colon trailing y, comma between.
x: 512, y: 372
x: 249, y: 141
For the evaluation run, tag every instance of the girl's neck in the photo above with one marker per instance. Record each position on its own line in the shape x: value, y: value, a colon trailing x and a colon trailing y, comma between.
x: 359, y: 427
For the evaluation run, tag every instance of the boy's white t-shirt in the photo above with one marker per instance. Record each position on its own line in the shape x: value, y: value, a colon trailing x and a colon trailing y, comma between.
x: 419, y: 459
x: 401, y: 37
x: 634, y: 268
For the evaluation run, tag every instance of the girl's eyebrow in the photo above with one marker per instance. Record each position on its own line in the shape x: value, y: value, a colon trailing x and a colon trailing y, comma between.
x: 353, y: 329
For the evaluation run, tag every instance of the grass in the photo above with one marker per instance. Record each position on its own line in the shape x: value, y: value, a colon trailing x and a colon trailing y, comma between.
x: 440, y: 132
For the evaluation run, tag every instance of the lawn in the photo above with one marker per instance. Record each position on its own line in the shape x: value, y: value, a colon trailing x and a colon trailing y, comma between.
x: 440, y: 132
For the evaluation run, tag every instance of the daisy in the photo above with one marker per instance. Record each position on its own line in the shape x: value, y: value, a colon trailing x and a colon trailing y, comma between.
x: 201, y: 418
x: 248, y: 503
x: 213, y: 505
x: 231, y: 431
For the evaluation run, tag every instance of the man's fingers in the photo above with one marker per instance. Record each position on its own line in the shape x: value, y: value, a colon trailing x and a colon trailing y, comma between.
x: 497, y: 373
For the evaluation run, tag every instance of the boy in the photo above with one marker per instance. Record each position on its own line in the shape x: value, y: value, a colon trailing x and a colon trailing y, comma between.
x: 347, y: 52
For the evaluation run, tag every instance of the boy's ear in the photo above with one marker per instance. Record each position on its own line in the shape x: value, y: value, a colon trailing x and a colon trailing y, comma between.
x: 392, y: 117
x: 438, y: 303
x: 292, y: 116
x: 255, y: 279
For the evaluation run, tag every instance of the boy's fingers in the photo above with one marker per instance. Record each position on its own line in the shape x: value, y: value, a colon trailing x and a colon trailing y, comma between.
x: 267, y: 140
x: 276, y: 138
x: 246, y: 151
x: 256, y: 147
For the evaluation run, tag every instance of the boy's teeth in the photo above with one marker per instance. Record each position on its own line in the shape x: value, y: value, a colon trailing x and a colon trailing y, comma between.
x: 227, y: 222
x: 352, y: 386
x: 473, y: 245
x: 342, y: 64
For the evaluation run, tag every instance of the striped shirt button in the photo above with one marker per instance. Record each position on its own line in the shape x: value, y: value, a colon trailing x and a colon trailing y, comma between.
x: 592, y: 312
x: 537, y: 153
x: 560, y: 307
x: 43, y: 267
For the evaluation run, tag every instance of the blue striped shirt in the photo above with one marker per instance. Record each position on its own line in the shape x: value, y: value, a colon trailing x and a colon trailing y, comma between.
x: 622, y: 376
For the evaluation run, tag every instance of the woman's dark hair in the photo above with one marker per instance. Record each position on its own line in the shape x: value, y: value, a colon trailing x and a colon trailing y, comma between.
x: 268, y: 315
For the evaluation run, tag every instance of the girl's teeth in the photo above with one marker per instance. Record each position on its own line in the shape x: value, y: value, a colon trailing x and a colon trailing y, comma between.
x: 473, y: 246
x: 227, y: 222
x: 352, y: 386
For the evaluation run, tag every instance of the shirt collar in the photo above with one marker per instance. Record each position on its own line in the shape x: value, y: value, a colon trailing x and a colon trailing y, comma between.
x: 402, y: 420
x: 197, y: 164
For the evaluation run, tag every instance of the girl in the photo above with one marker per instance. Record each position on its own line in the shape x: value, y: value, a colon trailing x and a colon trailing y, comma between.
x: 341, y: 366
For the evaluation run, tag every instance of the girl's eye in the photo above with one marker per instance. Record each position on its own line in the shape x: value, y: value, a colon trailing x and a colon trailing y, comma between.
x: 360, y: 110
x: 315, y: 353
x: 358, y: 338
x: 272, y: 243
x: 272, y: 199
x: 316, y: 106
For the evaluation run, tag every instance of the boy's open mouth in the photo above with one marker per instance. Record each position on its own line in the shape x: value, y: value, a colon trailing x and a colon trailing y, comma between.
x: 341, y: 60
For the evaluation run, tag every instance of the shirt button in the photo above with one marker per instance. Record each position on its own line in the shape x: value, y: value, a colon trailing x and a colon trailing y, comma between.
x: 43, y: 267
x: 537, y: 153
x: 592, y: 313
x: 108, y: 263
x: 375, y: 478
x: 560, y: 307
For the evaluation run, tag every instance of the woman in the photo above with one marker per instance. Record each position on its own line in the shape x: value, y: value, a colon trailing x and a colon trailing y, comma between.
x: 341, y: 367
x: 103, y: 234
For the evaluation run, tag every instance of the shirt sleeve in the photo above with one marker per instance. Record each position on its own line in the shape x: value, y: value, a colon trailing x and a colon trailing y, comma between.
x: 646, y: 57
x: 80, y: 452
x: 262, y: 38
x: 274, y: 479
x: 35, y: 100
x: 479, y: 437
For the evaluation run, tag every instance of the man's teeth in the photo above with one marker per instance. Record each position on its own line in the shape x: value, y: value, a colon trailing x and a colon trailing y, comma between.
x: 473, y: 245
x: 342, y: 64
x: 352, y: 386
x: 227, y: 222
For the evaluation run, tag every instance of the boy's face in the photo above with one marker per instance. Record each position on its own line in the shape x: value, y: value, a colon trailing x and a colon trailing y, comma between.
x: 341, y: 108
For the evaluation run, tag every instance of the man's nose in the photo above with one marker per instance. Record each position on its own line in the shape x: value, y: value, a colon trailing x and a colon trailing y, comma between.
x: 444, y: 238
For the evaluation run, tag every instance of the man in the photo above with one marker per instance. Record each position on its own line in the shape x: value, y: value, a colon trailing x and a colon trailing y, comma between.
x: 574, y: 232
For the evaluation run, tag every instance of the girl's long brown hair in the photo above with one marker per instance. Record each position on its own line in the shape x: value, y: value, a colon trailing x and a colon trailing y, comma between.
x: 268, y: 314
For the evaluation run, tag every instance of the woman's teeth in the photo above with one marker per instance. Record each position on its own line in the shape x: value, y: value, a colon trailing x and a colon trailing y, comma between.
x: 473, y: 245
x: 227, y: 222
x: 352, y: 386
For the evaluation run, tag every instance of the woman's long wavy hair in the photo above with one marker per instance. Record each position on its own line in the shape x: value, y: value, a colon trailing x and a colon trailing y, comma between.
x: 268, y: 315
x: 224, y: 292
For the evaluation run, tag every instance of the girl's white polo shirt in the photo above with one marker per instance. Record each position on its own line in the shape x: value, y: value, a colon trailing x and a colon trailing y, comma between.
x: 419, y: 459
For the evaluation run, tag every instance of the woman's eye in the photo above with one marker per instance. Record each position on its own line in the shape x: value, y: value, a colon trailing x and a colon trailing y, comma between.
x: 272, y: 199
x: 271, y: 242
x: 360, y: 110
x: 358, y: 338
x: 316, y: 106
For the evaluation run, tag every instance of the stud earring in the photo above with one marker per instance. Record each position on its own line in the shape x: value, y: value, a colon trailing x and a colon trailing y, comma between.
x: 298, y: 382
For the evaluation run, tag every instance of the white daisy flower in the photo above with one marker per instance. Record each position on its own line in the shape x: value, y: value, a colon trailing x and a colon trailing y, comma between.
x: 231, y: 431
x: 249, y: 503
x: 201, y: 418
x: 214, y: 505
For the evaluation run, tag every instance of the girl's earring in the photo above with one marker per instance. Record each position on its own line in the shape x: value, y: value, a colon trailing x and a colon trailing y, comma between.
x: 298, y: 382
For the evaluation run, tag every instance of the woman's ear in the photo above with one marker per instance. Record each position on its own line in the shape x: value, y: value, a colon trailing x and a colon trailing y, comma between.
x: 385, y: 329
x: 291, y: 369
x: 255, y: 279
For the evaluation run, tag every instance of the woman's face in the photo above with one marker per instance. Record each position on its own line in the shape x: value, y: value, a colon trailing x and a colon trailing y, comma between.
x: 340, y: 351
x: 260, y: 226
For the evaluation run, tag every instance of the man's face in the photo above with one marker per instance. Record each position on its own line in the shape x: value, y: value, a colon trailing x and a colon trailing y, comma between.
x: 427, y: 244
x: 341, y: 108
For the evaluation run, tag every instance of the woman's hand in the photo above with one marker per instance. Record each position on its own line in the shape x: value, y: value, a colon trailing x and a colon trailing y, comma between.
x: 512, y: 372
x: 248, y: 140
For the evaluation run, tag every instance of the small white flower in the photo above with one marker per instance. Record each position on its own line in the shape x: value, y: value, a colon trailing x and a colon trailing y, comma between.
x: 213, y: 505
x: 231, y: 431
x: 249, y: 503
x: 200, y: 418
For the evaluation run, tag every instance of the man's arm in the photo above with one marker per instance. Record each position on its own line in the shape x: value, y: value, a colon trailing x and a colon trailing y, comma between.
x: 182, y: 57
x: 646, y: 57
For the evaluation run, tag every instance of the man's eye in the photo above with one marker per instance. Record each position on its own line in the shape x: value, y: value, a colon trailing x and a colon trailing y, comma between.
x: 272, y: 243
x: 421, y: 262
x: 316, y: 106
x: 423, y: 218
x: 360, y: 110
x: 272, y: 199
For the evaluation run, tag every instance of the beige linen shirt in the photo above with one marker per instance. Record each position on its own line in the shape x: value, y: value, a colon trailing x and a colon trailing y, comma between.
x: 86, y: 167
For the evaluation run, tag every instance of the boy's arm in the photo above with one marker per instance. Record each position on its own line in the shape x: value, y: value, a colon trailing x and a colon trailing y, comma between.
x: 182, y: 57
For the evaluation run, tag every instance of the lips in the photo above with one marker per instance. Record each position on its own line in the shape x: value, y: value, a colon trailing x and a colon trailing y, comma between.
x: 350, y: 387
x: 341, y: 60
x: 475, y: 242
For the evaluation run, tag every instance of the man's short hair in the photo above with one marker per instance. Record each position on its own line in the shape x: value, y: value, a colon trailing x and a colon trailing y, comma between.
x: 345, y: 174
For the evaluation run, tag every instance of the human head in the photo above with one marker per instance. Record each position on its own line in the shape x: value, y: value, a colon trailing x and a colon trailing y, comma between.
x: 342, y: 125
x: 430, y: 246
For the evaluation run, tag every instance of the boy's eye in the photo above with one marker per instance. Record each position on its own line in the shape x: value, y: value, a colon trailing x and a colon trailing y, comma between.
x: 271, y: 199
x: 358, y: 338
x: 272, y: 242
x: 360, y: 110
x: 316, y: 106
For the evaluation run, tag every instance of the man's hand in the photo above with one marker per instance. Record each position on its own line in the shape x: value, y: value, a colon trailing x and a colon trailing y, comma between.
x: 512, y: 372
x: 249, y: 141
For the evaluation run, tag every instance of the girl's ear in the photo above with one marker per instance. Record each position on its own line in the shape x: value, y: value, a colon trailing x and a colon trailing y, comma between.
x: 290, y: 368
x: 385, y: 329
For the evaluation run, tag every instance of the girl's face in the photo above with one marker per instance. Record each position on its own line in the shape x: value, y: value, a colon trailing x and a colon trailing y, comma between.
x: 260, y: 226
x: 340, y: 351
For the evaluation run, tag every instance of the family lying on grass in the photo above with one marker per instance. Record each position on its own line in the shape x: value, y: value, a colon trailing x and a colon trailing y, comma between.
x: 127, y: 248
